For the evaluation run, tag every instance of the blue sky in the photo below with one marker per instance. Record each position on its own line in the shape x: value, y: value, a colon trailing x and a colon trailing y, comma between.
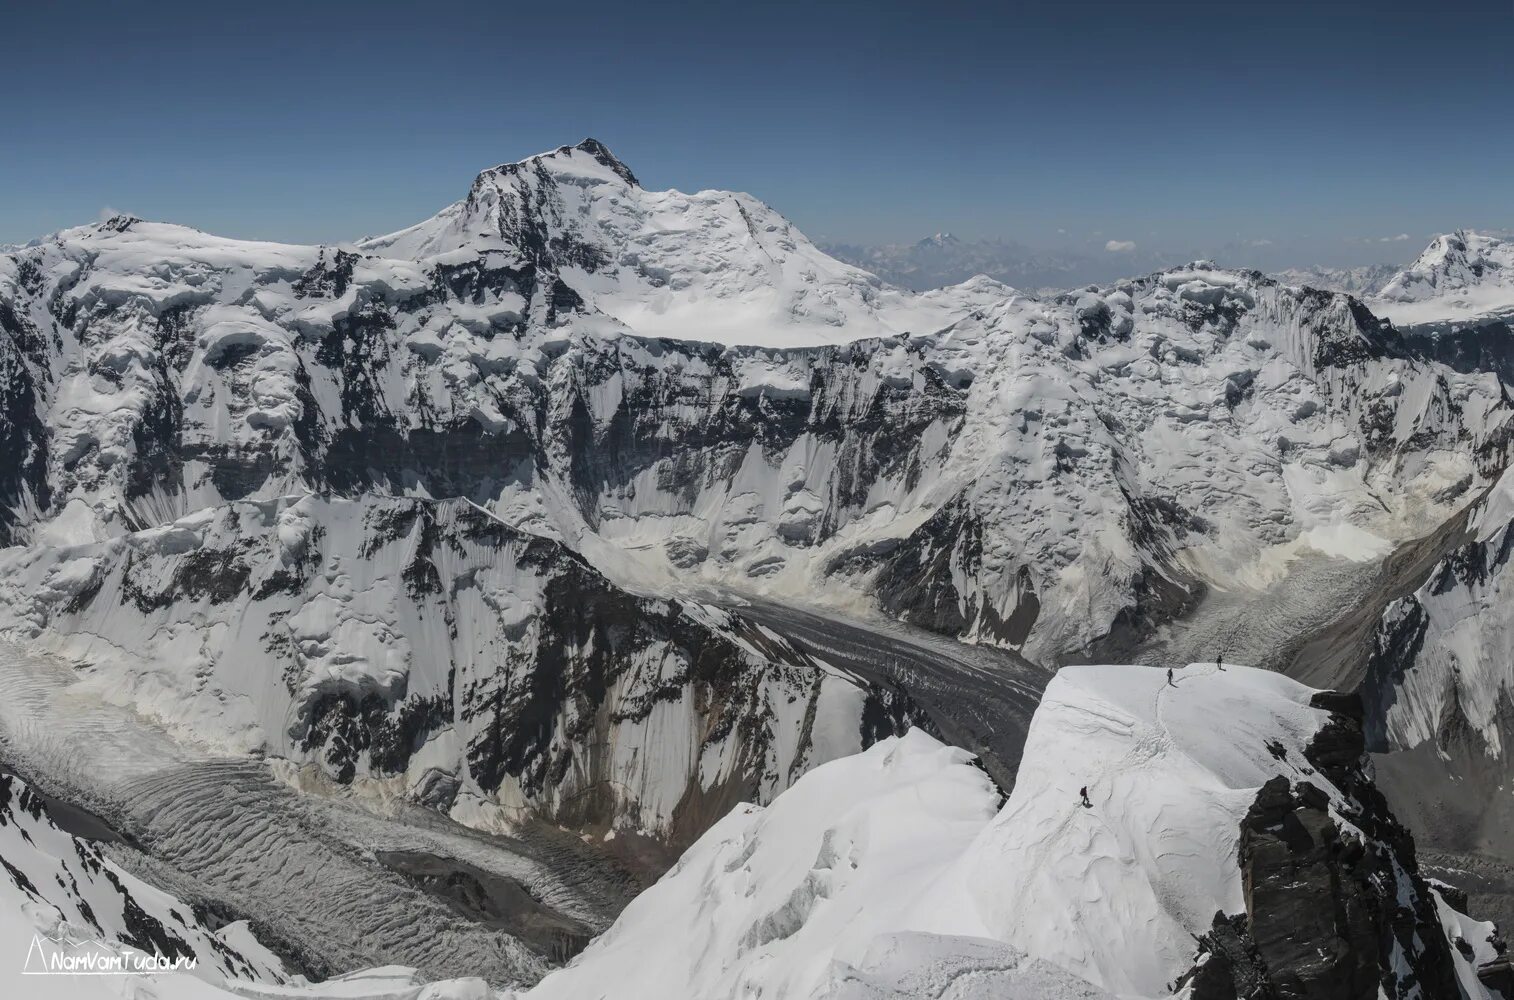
x: 1311, y: 130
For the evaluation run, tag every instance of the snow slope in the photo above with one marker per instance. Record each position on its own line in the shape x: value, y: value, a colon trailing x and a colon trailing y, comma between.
x: 888, y: 873
x: 1462, y: 278
x: 812, y: 896
x: 431, y: 651
x: 711, y: 266
x: 1117, y: 893
x: 1444, y: 662
x: 1198, y: 428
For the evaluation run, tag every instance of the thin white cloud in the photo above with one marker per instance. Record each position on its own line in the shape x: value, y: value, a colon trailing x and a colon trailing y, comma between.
x: 1260, y: 243
x: 1120, y: 246
x: 1401, y: 237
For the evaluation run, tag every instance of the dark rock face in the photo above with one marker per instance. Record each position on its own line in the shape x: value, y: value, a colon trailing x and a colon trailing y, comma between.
x: 1230, y: 966
x: 393, y: 622
x: 1310, y: 920
x: 1332, y: 910
x: 1484, y: 347
x: 916, y: 581
x: 482, y: 372
x: 23, y: 438
x: 1498, y: 976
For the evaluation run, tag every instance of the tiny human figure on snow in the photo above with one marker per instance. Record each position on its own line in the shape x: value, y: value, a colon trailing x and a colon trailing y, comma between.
x: 1169, y: 677
x: 1084, y: 792
x: 1219, y: 661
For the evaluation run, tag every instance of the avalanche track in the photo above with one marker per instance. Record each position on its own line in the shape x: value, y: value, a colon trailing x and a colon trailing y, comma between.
x: 307, y: 868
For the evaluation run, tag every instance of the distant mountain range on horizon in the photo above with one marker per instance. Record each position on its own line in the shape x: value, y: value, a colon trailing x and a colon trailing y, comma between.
x: 943, y: 259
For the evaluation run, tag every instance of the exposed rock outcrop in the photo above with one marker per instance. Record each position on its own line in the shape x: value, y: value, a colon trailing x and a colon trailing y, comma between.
x: 430, y: 647
x: 1335, y: 904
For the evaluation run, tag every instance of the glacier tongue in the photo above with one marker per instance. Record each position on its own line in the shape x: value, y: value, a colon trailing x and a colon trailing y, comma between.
x: 78, y: 926
x: 62, y: 897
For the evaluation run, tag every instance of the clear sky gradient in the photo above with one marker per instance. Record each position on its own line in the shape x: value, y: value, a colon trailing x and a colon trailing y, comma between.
x: 1323, y: 128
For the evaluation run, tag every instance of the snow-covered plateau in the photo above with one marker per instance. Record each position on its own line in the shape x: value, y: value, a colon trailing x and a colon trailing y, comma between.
x: 409, y: 605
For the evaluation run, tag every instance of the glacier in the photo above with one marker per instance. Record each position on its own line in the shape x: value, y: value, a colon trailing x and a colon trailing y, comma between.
x: 422, y: 598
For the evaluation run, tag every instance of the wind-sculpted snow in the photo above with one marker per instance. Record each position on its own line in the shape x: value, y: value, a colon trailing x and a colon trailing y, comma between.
x: 425, y: 645
x: 811, y: 897
x: 1117, y: 891
x: 896, y: 871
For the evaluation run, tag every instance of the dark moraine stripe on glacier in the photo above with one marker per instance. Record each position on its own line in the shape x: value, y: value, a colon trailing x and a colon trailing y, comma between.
x: 493, y: 900
x: 978, y: 697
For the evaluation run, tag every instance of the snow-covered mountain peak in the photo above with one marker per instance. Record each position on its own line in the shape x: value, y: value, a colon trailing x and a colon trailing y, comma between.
x: 566, y: 159
x: 588, y: 163
x: 1461, y: 277
x: 505, y: 200
x: 709, y: 266
x: 1460, y: 259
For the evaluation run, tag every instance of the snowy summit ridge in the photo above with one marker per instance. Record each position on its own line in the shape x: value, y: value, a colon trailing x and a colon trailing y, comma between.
x: 1463, y: 278
x: 714, y: 265
x: 897, y: 873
